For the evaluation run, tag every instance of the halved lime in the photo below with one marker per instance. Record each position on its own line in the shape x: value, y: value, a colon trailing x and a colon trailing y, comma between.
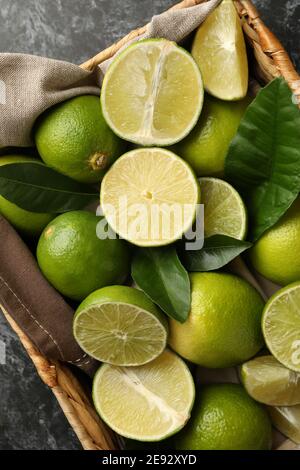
x: 220, y: 51
x: 146, y: 403
x: 281, y: 326
x: 224, y: 210
x: 287, y: 420
x: 152, y: 93
x: 150, y: 196
x: 121, y: 326
x: 268, y: 381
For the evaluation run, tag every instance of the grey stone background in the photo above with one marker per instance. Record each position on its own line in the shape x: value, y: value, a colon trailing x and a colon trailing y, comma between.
x: 75, y: 30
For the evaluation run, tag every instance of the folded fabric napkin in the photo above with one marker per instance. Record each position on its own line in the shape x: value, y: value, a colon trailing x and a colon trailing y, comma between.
x: 28, y: 86
x: 39, y: 309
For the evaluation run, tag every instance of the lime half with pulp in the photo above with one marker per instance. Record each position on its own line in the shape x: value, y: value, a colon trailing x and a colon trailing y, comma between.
x: 287, y: 420
x: 150, y: 197
x: 220, y: 51
x: 121, y: 326
x: 146, y: 403
x: 224, y: 210
x: 281, y: 326
x: 268, y: 381
x: 152, y: 93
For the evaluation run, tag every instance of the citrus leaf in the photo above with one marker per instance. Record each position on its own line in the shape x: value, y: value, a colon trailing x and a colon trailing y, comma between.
x: 37, y: 188
x: 217, y: 251
x: 160, y: 274
x: 263, y: 161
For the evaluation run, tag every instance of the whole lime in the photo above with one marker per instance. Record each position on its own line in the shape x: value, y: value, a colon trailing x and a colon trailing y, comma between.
x: 75, y: 260
x: 28, y: 223
x: 74, y: 139
x: 276, y: 255
x: 224, y: 325
x: 207, y: 145
x: 225, y: 417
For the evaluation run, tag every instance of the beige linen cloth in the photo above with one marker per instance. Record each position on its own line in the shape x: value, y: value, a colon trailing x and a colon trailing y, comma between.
x: 28, y: 86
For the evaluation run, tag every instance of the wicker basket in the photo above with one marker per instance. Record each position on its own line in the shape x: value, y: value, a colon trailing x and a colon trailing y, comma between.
x: 270, y: 61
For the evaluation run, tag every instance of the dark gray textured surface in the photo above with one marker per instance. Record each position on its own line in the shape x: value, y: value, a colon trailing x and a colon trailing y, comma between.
x: 75, y: 30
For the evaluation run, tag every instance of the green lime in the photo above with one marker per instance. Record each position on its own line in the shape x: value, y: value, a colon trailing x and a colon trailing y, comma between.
x: 145, y: 403
x: 226, y: 418
x: 224, y: 325
x: 206, y: 147
x: 224, y: 211
x: 74, y: 139
x: 268, y: 381
x: 29, y: 223
x: 276, y: 255
x: 152, y: 93
x: 160, y: 194
x: 75, y: 260
x: 281, y: 326
x: 121, y: 326
x: 287, y: 420
x: 220, y: 51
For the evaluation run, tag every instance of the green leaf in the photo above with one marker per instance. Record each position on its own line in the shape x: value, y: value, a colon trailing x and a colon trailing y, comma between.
x: 37, y: 188
x: 217, y: 251
x: 263, y: 162
x: 160, y: 274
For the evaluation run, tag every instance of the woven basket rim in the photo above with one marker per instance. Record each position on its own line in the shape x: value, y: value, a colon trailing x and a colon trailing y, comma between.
x: 269, y: 53
x: 74, y: 400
